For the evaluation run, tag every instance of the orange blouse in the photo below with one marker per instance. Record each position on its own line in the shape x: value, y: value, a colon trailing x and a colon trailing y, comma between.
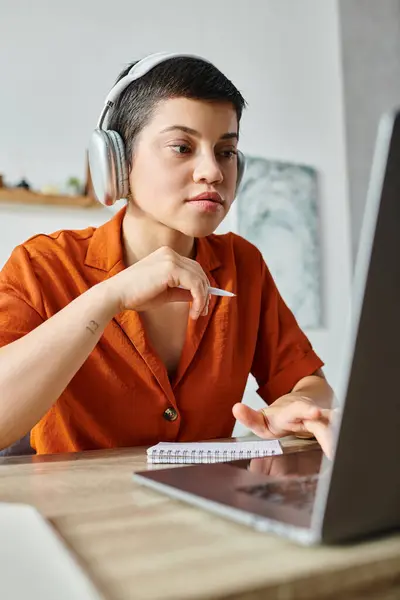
x: 122, y: 396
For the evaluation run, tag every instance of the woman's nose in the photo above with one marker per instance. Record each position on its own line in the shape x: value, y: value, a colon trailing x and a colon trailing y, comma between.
x: 207, y: 169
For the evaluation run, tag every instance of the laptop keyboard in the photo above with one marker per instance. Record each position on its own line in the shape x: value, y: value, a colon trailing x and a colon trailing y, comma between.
x: 298, y: 492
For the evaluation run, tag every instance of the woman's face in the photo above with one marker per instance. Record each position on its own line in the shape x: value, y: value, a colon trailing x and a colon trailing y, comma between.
x: 187, y: 149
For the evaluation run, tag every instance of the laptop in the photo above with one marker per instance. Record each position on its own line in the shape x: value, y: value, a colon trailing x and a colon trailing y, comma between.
x: 305, y: 496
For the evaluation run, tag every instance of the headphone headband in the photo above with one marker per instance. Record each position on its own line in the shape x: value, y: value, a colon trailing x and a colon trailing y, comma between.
x: 138, y: 70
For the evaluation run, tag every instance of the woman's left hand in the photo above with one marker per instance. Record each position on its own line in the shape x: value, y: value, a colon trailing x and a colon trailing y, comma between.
x: 291, y: 414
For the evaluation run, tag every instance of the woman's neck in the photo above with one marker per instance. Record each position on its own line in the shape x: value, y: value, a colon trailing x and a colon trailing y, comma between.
x: 141, y: 236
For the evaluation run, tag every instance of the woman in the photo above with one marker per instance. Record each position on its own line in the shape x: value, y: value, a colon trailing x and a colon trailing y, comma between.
x: 111, y: 338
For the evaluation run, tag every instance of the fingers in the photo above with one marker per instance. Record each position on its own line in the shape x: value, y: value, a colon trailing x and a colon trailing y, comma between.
x: 252, y: 419
x: 199, y: 291
x: 277, y: 421
x: 200, y: 295
x: 323, y: 433
x: 300, y: 410
x: 182, y: 271
x: 149, y: 282
x: 289, y: 418
x: 282, y: 420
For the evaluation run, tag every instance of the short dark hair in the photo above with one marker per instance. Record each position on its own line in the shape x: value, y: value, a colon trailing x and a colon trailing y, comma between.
x: 176, y: 77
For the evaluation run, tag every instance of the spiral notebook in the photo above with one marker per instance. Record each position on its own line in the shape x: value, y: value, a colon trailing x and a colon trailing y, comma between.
x: 211, y: 452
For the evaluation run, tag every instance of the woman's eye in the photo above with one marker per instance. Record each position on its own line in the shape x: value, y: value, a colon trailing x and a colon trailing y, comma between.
x: 180, y: 148
x: 228, y: 153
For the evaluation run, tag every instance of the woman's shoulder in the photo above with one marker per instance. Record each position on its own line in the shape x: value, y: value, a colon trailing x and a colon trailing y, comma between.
x: 48, y: 257
x: 62, y: 242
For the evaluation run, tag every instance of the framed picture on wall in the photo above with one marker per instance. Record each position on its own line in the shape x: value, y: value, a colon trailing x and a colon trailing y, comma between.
x: 277, y: 210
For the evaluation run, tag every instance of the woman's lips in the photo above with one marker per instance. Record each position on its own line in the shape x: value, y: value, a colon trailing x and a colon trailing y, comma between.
x: 210, y: 196
x: 207, y: 202
x: 206, y: 205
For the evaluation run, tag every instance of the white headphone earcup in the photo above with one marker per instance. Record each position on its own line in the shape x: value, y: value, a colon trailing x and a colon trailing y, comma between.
x: 108, y: 168
x: 121, y: 167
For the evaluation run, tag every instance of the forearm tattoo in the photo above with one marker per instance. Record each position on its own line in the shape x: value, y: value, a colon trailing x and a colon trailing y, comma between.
x: 92, y: 327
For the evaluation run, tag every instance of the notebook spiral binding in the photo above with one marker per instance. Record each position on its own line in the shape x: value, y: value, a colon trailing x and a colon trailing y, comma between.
x: 202, y: 456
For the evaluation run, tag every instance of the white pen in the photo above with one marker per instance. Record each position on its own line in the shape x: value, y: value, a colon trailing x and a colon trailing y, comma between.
x: 214, y: 291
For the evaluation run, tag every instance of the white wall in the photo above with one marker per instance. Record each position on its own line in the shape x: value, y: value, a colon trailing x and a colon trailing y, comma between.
x: 20, y: 222
x: 371, y: 75
x: 58, y: 62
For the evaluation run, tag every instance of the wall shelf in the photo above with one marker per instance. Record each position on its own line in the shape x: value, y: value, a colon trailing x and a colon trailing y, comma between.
x: 22, y: 196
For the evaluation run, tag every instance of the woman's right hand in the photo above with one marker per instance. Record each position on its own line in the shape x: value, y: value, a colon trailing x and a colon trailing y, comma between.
x: 154, y: 280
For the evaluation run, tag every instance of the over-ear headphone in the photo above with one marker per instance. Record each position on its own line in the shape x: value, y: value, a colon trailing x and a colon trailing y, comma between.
x: 107, y: 159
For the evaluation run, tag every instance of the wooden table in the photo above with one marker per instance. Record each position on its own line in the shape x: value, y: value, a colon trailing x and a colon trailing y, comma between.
x: 136, y: 543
